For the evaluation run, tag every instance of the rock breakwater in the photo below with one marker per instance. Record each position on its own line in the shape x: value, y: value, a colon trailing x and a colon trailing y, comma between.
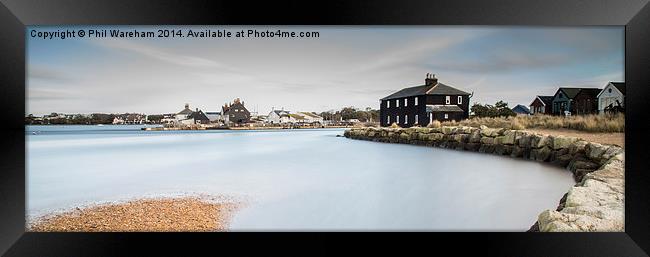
x: 594, y: 203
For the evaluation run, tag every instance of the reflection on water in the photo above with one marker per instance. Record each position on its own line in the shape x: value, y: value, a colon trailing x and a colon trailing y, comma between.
x: 294, y: 180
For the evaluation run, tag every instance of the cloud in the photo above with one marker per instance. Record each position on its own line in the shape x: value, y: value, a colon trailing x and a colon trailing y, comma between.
x: 47, y: 74
x: 49, y: 94
x: 413, y: 52
x: 160, y: 54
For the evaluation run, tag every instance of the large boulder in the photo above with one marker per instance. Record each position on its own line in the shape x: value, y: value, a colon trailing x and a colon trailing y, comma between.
x: 509, y: 137
x: 523, y: 139
x: 423, y: 130
x: 595, y: 150
x: 560, y: 142
x: 554, y: 221
x: 578, y: 147
x: 461, y: 138
x: 447, y: 130
x: 539, y: 141
x: 475, y: 137
x: 492, y: 132
x: 487, y: 140
x: 435, y: 136
x: 517, y: 151
x: 503, y: 149
x: 498, y: 140
x: 562, y: 160
x: 610, y: 153
x: 543, y: 154
x: 464, y: 130
x: 486, y: 148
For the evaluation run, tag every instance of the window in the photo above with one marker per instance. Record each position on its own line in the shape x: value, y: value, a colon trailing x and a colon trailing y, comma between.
x: 397, y: 119
x: 387, y: 104
x: 460, y: 99
x: 388, y: 119
x: 447, y: 99
x: 396, y: 102
x: 416, y: 118
x: 406, y: 119
x: 406, y: 102
x: 446, y: 116
x: 416, y: 101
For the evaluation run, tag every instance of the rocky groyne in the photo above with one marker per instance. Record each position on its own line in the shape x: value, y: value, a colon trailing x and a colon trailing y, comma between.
x: 594, y: 203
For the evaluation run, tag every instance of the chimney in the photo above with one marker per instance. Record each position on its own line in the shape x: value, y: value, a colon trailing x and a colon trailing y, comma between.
x: 197, y: 109
x: 431, y: 79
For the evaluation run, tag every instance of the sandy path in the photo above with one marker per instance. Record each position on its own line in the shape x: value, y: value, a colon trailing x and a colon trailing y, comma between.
x: 174, y: 214
x: 603, y: 138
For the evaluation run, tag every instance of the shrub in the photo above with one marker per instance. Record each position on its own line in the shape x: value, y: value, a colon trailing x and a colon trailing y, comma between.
x: 394, y: 125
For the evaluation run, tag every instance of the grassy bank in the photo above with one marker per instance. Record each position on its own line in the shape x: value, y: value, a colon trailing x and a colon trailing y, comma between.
x: 588, y: 123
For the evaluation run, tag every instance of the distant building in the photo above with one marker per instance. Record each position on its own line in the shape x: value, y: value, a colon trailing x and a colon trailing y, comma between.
x: 543, y: 104
x: 130, y: 118
x: 183, y: 114
x: 564, y: 100
x: 168, y: 119
x: 521, y: 110
x: 198, y: 117
x: 118, y: 120
x: 235, y: 112
x: 214, y: 117
x: 311, y: 117
x: 134, y: 118
x: 586, y: 101
x: 278, y: 117
x: 297, y: 118
x: 612, y: 98
x: 420, y: 105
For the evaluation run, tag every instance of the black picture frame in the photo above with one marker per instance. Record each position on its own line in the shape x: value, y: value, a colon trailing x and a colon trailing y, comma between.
x: 16, y: 14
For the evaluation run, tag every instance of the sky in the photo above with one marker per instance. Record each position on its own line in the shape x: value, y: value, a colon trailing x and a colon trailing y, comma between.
x: 344, y: 66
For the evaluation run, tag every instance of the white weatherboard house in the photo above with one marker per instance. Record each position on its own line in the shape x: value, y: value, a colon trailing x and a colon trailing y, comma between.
x: 183, y: 116
x: 613, y: 95
x: 278, y: 117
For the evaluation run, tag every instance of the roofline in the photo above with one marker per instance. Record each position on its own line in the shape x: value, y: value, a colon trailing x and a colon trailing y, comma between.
x: 540, y: 99
x: 438, y: 83
x: 610, y: 84
x: 425, y: 93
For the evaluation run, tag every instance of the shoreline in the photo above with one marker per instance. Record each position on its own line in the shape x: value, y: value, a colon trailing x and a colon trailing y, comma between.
x: 159, y: 214
x: 596, y: 203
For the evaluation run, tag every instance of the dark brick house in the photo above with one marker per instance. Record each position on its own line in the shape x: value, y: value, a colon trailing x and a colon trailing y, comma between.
x: 543, y: 104
x: 199, y: 117
x: 236, y: 112
x: 420, y: 105
x: 586, y: 101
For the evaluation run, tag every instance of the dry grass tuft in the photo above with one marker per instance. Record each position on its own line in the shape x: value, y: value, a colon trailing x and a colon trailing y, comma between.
x: 435, y: 124
x: 589, y: 123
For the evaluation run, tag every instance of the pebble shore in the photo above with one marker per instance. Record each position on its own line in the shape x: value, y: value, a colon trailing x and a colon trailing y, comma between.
x: 184, y: 214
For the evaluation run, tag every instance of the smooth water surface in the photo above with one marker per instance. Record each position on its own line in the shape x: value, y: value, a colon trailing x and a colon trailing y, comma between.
x: 292, y: 179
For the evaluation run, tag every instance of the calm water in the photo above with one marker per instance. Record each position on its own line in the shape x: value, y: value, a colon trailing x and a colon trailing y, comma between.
x: 293, y: 180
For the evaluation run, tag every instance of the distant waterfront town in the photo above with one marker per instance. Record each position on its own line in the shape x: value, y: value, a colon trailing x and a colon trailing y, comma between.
x: 232, y: 115
x: 412, y: 106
